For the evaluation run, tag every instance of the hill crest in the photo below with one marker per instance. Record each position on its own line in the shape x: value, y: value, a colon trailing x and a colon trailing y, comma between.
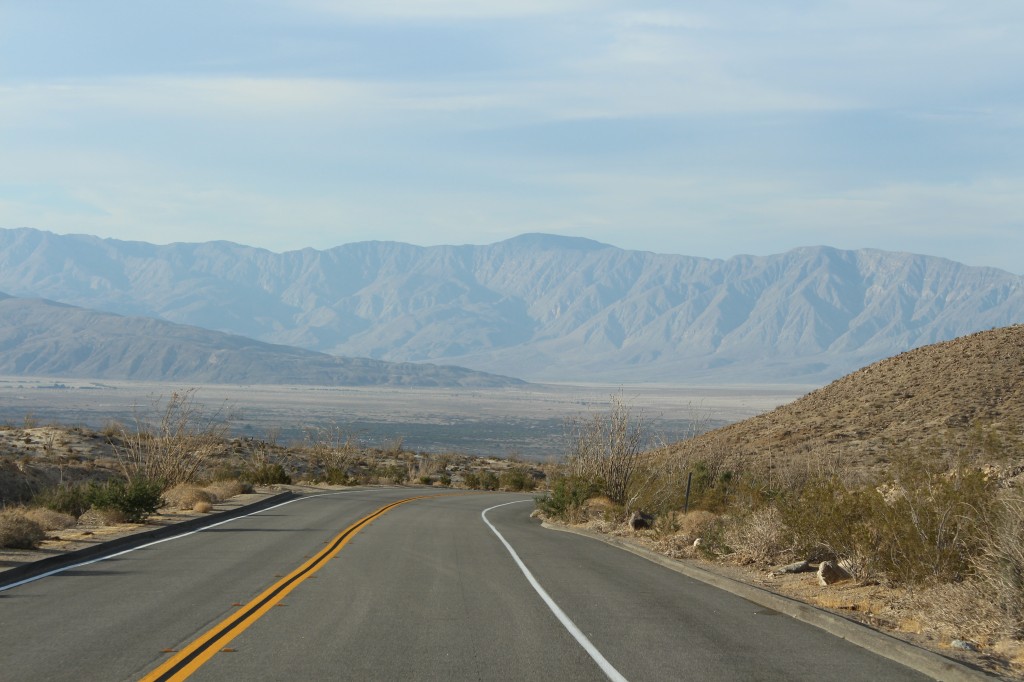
x: 949, y: 392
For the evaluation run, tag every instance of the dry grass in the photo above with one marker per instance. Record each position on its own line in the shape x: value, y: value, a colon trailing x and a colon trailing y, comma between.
x: 202, y: 507
x: 186, y: 496
x: 223, y: 490
x: 18, y: 531
x: 50, y: 519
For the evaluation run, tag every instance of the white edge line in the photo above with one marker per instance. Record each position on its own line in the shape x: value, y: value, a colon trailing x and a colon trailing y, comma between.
x: 55, y: 571
x: 607, y: 668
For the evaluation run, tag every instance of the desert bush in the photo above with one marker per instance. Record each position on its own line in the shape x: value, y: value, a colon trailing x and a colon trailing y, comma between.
x: 923, y: 523
x: 760, y: 536
x: 390, y: 473
x: 336, y: 476
x: 829, y: 521
x: 999, y: 565
x: 426, y: 480
x: 18, y: 531
x: 607, y: 448
x: 471, y: 479
x: 928, y: 527
x: 202, y: 507
x: 445, y: 479
x: 567, y: 497
x: 221, y: 490
x: 186, y: 496
x: 267, y: 474
x: 489, y: 480
x: 174, y: 449
x: 66, y: 499
x: 50, y: 519
x: 516, y: 479
x: 136, y: 499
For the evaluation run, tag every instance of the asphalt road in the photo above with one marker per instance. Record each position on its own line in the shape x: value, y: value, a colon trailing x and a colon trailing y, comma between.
x: 426, y: 591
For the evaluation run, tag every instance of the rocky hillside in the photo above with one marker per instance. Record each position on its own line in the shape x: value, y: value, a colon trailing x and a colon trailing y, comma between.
x: 43, y: 338
x: 964, y: 390
x: 540, y: 307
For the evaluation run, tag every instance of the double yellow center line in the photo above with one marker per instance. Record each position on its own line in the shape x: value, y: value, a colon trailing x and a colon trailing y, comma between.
x: 202, y: 649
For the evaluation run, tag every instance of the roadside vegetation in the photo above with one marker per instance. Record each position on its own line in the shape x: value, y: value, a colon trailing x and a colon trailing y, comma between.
x: 943, y: 524
x: 179, y: 456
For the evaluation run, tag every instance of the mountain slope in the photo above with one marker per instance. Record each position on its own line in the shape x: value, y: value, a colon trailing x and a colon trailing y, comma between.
x: 959, y: 390
x: 538, y: 306
x: 44, y: 338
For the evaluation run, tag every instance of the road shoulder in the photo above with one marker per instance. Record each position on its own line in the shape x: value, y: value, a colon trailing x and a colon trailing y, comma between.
x: 923, y: 660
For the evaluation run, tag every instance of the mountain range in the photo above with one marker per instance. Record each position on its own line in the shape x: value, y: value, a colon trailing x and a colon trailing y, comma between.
x: 45, y: 338
x: 539, y: 307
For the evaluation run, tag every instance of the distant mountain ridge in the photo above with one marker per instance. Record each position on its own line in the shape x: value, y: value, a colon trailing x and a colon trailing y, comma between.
x: 541, y: 307
x: 45, y: 338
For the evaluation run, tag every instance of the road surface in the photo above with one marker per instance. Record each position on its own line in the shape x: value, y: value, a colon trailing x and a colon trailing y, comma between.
x: 430, y: 589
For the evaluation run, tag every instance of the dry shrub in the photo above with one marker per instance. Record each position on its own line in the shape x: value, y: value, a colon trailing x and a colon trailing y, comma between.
x: 223, y: 490
x: 186, y: 496
x: 50, y: 519
x: 175, y: 448
x: 697, y: 523
x: 18, y: 531
x: 202, y: 507
x: 607, y: 448
x: 1000, y: 565
x: 761, y: 536
x: 601, y: 507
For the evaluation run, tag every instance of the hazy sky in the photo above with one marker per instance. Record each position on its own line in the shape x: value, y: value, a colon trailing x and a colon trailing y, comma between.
x: 707, y: 128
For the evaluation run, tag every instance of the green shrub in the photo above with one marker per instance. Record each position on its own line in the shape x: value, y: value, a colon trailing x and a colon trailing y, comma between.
x: 267, y: 474
x: 568, y: 495
x: 392, y: 473
x: 922, y: 524
x: 517, y: 479
x: 489, y: 481
x: 426, y: 480
x: 136, y: 500
x: 338, y: 476
x: 66, y: 499
x: 471, y: 479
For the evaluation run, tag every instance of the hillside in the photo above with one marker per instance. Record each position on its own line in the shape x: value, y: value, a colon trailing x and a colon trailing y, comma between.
x: 541, y: 307
x: 944, y: 391
x: 44, y: 338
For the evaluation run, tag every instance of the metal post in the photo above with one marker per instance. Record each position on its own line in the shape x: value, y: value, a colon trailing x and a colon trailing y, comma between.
x: 686, y: 504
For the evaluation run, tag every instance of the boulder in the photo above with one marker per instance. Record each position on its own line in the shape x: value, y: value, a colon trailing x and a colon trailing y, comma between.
x: 798, y: 567
x: 830, y: 573
x: 639, y: 519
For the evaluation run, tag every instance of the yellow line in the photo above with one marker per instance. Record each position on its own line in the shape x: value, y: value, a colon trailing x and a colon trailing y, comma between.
x: 203, y: 648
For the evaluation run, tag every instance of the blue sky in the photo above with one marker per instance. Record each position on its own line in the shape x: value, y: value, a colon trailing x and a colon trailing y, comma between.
x: 703, y: 128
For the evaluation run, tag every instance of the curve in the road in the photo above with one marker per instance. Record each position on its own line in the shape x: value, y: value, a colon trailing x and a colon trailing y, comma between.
x: 607, y: 668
